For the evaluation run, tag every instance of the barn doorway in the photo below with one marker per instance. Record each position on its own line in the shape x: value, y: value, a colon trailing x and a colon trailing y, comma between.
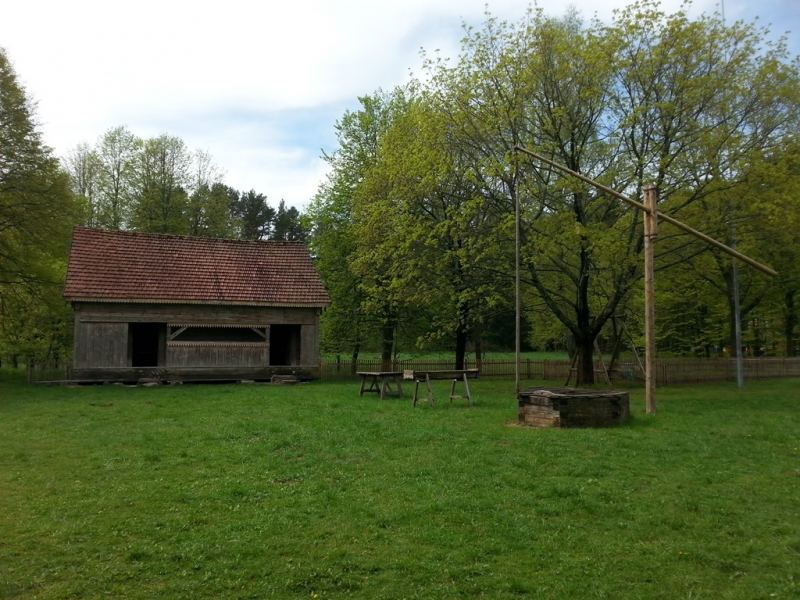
x: 146, y: 340
x: 284, y: 345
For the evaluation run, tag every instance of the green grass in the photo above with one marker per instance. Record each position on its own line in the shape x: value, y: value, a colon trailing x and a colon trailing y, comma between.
x: 254, y: 491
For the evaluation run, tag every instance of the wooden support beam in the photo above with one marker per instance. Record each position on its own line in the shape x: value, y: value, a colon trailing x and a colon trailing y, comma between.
x: 708, y: 239
x: 171, y: 335
x: 650, y: 233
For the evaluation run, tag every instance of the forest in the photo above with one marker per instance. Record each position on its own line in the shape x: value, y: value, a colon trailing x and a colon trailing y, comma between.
x: 413, y: 229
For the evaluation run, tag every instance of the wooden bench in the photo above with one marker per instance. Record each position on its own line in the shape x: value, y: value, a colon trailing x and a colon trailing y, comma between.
x: 427, y: 376
x: 381, y: 383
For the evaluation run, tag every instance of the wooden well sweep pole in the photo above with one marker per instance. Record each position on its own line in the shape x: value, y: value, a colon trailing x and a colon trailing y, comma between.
x: 650, y: 233
x: 673, y: 221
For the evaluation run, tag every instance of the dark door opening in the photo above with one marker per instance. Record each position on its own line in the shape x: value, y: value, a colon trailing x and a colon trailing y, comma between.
x: 284, y: 345
x: 145, y: 341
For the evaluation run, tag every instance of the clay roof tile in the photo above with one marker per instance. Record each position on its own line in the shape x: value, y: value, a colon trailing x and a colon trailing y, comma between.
x: 119, y: 266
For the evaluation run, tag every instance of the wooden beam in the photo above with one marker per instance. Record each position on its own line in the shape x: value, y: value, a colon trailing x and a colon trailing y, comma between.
x: 171, y: 335
x: 650, y: 233
x: 680, y: 225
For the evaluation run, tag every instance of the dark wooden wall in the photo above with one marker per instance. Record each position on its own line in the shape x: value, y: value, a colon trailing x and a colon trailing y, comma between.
x: 102, y: 334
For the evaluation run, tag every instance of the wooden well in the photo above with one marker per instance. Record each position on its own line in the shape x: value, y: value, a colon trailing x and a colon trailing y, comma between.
x: 570, y: 407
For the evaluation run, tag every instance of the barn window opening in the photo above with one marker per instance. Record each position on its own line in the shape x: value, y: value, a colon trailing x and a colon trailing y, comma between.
x: 145, y: 340
x: 284, y: 345
x: 198, y: 334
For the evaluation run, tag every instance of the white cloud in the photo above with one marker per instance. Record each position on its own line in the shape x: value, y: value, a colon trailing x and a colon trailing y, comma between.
x: 257, y: 84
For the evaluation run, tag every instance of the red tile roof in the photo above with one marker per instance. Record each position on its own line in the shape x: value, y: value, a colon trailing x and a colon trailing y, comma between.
x: 117, y: 266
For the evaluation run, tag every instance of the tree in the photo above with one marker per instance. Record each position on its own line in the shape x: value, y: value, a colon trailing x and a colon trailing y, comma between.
x: 428, y: 231
x: 288, y: 224
x: 37, y: 212
x: 162, y: 178
x: 83, y: 168
x: 117, y: 153
x: 358, y: 307
x: 37, y: 209
x: 652, y: 98
x: 254, y: 216
x: 709, y: 102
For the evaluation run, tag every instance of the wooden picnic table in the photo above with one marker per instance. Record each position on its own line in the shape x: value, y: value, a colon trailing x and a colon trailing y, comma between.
x: 456, y: 375
x: 381, y: 382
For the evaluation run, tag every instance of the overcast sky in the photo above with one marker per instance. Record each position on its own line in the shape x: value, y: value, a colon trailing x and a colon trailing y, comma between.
x: 258, y: 84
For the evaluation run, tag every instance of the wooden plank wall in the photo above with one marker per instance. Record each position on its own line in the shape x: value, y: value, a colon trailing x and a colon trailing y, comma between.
x: 217, y: 356
x: 101, y: 345
x: 309, y: 345
x: 101, y: 333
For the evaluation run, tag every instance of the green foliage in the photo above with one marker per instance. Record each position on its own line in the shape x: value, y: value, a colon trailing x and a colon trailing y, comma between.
x: 358, y: 307
x: 291, y: 492
x: 159, y: 185
x: 707, y: 113
x: 287, y: 225
x: 37, y: 211
x: 254, y: 215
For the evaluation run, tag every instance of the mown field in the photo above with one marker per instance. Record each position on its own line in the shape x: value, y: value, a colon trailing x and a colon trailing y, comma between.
x: 310, y: 491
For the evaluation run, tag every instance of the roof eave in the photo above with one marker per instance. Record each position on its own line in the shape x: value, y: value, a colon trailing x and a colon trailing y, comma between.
x: 205, y: 302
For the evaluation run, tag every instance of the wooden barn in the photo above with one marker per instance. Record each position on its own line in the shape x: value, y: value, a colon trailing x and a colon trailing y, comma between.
x: 179, y: 308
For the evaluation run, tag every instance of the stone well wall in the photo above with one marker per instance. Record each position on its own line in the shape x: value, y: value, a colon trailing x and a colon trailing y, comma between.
x: 569, y: 407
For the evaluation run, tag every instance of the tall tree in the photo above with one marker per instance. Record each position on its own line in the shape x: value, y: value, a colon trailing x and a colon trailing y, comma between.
x: 162, y: 180
x: 698, y: 106
x: 37, y: 212
x: 426, y: 227
x: 355, y: 312
x: 37, y: 208
x: 651, y: 98
x: 82, y: 166
x: 253, y: 214
x: 117, y: 153
x: 288, y: 225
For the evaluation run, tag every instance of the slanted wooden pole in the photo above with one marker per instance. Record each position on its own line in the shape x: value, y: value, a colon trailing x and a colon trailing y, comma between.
x: 651, y: 226
x: 650, y: 233
x: 680, y: 225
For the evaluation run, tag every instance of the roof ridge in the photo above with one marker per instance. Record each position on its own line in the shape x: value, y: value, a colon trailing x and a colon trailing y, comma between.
x: 130, y: 232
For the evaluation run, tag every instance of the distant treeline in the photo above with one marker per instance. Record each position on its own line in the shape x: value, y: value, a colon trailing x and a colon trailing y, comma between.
x: 158, y: 185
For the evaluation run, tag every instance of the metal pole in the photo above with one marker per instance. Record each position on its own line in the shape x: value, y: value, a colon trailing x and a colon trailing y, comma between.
x: 737, y: 319
x: 650, y: 233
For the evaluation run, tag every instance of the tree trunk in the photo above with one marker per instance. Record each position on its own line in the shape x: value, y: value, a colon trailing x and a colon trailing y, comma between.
x: 354, y: 359
x: 790, y: 321
x: 585, y: 365
x: 387, y: 343
x: 478, y: 348
x: 461, y: 346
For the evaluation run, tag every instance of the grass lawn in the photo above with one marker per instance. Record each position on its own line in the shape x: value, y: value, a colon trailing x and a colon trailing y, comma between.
x: 309, y: 491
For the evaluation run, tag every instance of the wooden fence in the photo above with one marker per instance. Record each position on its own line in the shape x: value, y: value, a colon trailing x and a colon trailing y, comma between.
x: 669, y: 371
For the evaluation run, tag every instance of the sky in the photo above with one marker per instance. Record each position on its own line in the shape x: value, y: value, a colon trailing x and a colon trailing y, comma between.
x: 257, y: 84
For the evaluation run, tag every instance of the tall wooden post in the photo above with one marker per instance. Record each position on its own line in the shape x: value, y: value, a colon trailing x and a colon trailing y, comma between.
x: 650, y: 233
x: 517, y: 303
